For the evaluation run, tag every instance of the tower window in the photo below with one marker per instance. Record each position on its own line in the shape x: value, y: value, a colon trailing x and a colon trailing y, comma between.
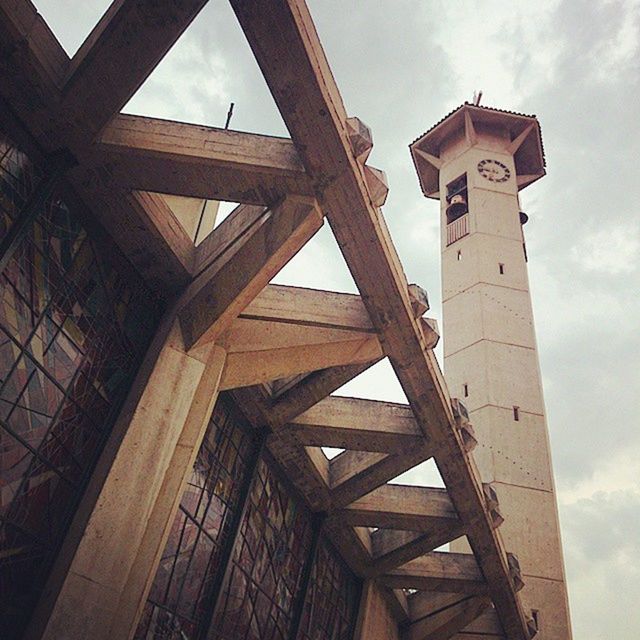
x: 516, y: 414
x: 465, y: 388
x: 501, y: 268
x: 457, y: 198
x: 459, y: 255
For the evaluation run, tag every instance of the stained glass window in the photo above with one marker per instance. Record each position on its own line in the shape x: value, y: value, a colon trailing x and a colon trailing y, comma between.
x: 333, y: 595
x: 181, y: 594
x: 75, y: 320
x: 18, y: 179
x: 267, y: 562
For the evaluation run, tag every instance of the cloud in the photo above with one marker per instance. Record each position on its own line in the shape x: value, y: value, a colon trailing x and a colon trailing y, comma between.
x: 612, y: 250
x: 601, y: 548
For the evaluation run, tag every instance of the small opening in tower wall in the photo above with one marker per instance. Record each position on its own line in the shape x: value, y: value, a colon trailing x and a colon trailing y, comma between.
x: 457, y: 198
x: 501, y: 268
x: 465, y: 388
x: 516, y: 414
x: 459, y: 255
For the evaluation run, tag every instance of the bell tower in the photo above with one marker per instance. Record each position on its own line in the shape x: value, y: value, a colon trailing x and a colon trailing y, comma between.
x: 475, y: 161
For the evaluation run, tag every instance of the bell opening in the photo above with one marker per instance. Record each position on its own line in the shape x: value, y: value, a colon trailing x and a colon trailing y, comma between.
x: 457, y: 198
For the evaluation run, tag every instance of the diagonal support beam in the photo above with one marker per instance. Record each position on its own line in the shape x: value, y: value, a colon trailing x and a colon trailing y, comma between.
x: 118, y: 55
x: 355, y: 473
x: 287, y: 331
x: 290, y: 455
x: 354, y: 544
x: 392, y: 548
x: 310, y: 103
x: 227, y: 285
x: 223, y: 238
x: 149, y: 154
x: 436, y: 571
x: 260, y: 351
x: 444, y: 624
x: 312, y: 389
x: 485, y: 627
x: 34, y: 69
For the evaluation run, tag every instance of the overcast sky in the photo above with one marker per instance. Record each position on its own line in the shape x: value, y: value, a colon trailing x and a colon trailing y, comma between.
x: 401, y: 66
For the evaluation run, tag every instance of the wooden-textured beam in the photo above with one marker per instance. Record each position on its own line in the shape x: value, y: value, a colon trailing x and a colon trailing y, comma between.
x: 424, y: 603
x: 36, y: 73
x: 443, y: 624
x: 118, y: 55
x: 398, y: 603
x: 203, y: 162
x: 354, y: 474
x: 231, y: 230
x: 261, y: 351
x: 396, y: 506
x: 310, y: 307
x: 312, y: 389
x: 354, y: 545
x: 227, y: 285
x: 392, y: 547
x: 354, y: 423
x: 33, y: 65
x: 486, y: 624
x: 287, y: 331
x: 291, y: 456
x: 436, y: 571
x: 310, y: 103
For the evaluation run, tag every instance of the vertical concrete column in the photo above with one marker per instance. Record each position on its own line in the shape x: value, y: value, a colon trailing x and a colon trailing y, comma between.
x: 110, y: 567
x: 375, y: 619
x: 491, y: 363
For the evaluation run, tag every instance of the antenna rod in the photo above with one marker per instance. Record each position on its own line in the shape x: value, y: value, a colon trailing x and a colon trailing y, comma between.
x: 229, y: 114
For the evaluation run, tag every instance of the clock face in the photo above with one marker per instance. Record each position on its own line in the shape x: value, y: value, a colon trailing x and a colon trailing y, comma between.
x: 493, y: 170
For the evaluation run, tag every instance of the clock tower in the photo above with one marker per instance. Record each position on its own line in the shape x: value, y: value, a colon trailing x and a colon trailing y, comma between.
x: 475, y: 161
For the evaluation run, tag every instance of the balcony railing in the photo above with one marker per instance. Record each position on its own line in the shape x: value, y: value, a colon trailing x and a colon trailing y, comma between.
x: 458, y: 229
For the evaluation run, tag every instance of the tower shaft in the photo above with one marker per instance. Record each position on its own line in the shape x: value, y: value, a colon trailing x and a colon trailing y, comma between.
x: 490, y: 354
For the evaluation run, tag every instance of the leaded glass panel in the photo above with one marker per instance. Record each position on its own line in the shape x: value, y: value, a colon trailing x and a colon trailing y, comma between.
x: 266, y: 566
x: 180, y: 597
x: 18, y: 179
x: 331, y: 605
x: 68, y: 349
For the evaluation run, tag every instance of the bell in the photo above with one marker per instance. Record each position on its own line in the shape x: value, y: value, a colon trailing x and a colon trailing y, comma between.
x: 457, y: 207
x: 524, y: 218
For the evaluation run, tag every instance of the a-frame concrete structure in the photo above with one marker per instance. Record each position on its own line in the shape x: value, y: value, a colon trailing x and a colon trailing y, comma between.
x: 275, y: 353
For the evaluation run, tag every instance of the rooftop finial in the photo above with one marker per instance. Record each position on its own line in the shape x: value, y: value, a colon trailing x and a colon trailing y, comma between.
x: 477, y: 96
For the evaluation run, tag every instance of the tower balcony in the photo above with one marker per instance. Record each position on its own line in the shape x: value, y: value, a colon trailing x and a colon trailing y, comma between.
x: 458, y: 229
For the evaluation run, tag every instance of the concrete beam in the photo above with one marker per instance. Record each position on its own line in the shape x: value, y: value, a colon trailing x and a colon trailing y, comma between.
x: 443, y: 624
x: 236, y: 277
x: 149, y: 154
x: 436, y: 571
x: 354, y: 423
x: 317, y: 127
x: 108, y: 563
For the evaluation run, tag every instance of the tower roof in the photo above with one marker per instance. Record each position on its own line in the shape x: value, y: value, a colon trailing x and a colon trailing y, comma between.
x: 524, y: 132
